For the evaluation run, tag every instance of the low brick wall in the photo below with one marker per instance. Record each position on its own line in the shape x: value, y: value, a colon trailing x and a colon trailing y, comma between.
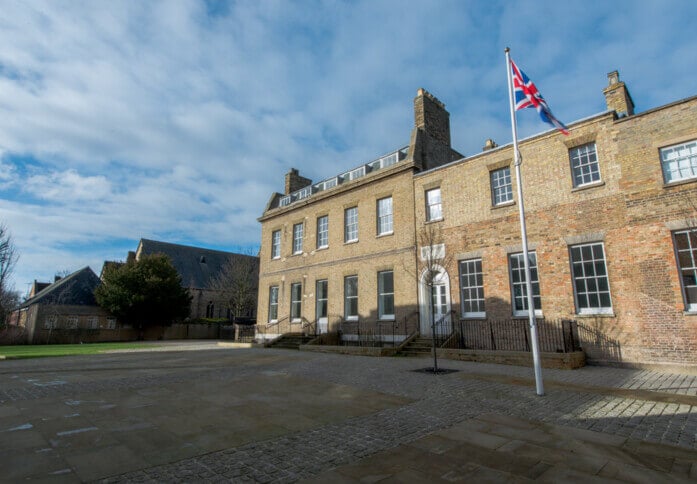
x: 350, y: 350
x: 562, y: 361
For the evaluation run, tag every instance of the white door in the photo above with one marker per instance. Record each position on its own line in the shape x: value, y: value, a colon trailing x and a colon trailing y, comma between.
x: 437, y: 299
x: 321, y: 310
x: 440, y: 303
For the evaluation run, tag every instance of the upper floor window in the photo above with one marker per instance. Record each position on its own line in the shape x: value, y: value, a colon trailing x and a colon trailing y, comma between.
x: 386, y: 295
x: 296, y: 300
x: 385, y: 216
x: 273, y: 304
x: 518, y: 286
x: 323, y: 231
x: 584, y: 165
x: 351, y: 297
x: 501, y: 188
x: 679, y: 162
x: 434, y: 205
x: 351, y: 224
x: 276, y: 244
x: 591, y: 284
x: 472, y: 288
x: 686, y: 252
x: 298, y: 238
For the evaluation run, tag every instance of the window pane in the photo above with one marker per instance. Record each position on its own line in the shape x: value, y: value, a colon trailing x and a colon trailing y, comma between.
x: 501, y: 188
x: 679, y: 162
x: 518, y: 286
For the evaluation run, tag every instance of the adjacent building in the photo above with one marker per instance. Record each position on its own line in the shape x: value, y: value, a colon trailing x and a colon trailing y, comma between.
x: 199, y: 268
x: 611, y: 212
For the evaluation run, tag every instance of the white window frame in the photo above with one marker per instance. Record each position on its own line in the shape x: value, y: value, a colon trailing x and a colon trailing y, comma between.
x: 298, y: 230
x: 93, y: 322
x: 296, y: 302
x: 686, y: 259
x: 680, y: 159
x: 110, y: 323
x: 273, y: 304
x: 580, y: 275
x: 434, y: 204
x: 72, y: 322
x: 385, y: 225
x: 347, y: 297
x: 472, y: 288
x: 385, y: 296
x: 351, y: 224
x: 520, y: 284
x: 501, y: 186
x: 585, y: 168
x: 276, y: 244
x: 323, y: 232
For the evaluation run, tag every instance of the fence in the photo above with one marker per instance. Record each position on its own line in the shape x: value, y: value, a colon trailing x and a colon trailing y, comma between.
x: 554, y: 336
x: 372, y: 333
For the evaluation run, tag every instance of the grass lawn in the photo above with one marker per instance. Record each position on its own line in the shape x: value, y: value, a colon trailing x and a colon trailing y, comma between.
x: 39, y: 351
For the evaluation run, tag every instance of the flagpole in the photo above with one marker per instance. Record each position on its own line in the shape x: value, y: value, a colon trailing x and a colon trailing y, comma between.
x: 524, y: 236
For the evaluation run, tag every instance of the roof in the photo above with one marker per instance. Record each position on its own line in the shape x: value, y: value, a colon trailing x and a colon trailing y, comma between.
x: 197, y: 266
x: 77, y: 289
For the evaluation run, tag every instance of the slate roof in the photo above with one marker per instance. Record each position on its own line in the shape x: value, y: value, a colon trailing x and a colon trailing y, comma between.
x: 196, y: 266
x: 77, y: 289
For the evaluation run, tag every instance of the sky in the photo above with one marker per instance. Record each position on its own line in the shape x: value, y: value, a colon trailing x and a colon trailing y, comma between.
x: 177, y: 120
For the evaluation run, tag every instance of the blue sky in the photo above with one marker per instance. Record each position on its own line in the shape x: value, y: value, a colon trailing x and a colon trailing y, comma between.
x: 176, y: 120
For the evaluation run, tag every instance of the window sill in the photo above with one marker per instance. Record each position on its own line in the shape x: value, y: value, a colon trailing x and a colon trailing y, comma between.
x: 272, y: 323
x: 351, y: 319
x: 435, y: 220
x: 473, y: 317
x: 588, y: 186
x: 296, y: 321
x: 386, y: 234
x: 387, y: 318
x: 351, y: 242
x: 679, y: 182
x: 503, y: 205
x: 296, y: 253
x: 538, y: 315
x: 324, y: 247
x: 595, y: 315
x: 276, y: 258
x: 691, y: 312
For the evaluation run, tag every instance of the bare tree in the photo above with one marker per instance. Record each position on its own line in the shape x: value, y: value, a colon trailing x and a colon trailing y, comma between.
x: 8, y: 260
x: 237, y: 283
x: 432, y: 260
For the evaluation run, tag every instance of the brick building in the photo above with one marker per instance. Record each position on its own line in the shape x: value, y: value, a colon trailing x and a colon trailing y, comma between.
x: 609, y: 208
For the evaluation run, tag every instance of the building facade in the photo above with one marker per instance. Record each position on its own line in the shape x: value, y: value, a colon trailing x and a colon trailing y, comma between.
x: 610, y: 213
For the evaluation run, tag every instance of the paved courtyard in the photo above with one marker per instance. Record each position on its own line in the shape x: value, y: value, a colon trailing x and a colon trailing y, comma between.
x: 263, y: 415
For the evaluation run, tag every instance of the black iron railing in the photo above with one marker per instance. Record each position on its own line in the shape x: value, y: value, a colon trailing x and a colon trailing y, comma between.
x: 554, y: 336
x: 372, y: 333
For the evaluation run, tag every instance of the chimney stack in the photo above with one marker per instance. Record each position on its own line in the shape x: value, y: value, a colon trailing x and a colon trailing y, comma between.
x: 295, y: 182
x: 489, y: 144
x: 430, y: 115
x: 617, y: 96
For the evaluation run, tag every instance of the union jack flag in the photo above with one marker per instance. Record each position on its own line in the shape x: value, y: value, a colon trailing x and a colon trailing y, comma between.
x: 527, y: 96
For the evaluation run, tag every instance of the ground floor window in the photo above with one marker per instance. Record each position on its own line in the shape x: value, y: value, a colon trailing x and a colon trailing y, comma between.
x: 296, y: 301
x: 322, y: 299
x: 351, y: 297
x: 686, y: 255
x: 110, y: 323
x: 518, y: 283
x: 591, y: 284
x: 273, y: 304
x: 472, y: 288
x: 386, y: 295
x: 93, y: 322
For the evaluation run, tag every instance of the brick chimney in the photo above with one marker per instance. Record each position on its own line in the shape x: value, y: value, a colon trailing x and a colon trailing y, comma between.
x: 489, y: 144
x: 295, y: 182
x: 431, y: 116
x: 617, y: 96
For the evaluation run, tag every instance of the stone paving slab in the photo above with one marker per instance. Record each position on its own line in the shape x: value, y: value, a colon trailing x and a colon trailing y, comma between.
x: 261, y: 415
